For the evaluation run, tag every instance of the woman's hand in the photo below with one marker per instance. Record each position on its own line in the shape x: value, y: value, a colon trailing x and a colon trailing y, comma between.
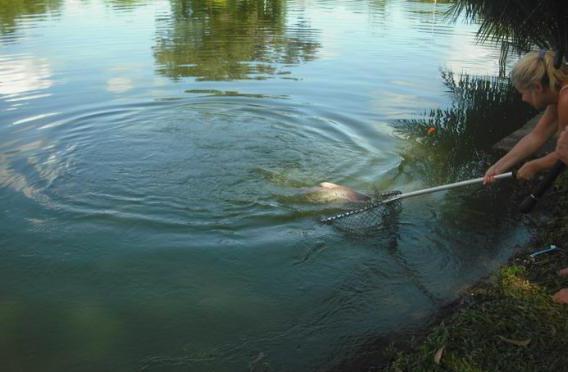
x: 529, y: 170
x: 489, y: 176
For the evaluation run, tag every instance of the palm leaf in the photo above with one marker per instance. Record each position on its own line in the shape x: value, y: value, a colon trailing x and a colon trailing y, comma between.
x: 518, y: 24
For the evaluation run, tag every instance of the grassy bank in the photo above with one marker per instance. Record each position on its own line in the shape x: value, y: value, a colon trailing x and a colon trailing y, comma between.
x: 508, y: 322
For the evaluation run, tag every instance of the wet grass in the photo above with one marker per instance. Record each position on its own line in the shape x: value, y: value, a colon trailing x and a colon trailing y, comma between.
x: 507, y: 323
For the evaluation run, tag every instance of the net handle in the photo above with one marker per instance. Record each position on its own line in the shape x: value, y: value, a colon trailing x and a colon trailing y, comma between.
x: 447, y: 187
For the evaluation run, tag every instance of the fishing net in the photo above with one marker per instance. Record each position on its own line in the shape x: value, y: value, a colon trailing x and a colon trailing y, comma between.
x: 383, y: 208
x: 378, y: 214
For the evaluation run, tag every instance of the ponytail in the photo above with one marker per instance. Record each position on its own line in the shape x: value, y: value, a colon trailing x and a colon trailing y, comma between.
x: 538, y: 67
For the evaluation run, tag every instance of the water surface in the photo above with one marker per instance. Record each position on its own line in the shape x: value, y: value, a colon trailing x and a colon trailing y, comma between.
x: 152, y: 158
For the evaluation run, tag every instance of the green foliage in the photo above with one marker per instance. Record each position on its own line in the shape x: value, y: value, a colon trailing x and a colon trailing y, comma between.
x: 519, y: 24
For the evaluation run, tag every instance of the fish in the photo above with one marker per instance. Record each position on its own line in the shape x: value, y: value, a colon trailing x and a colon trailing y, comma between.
x: 327, y: 192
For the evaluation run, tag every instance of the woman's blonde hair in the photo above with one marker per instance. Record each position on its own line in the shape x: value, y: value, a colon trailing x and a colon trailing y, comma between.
x: 538, y: 67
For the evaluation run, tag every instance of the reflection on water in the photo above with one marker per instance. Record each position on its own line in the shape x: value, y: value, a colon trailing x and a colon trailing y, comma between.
x: 153, y: 156
x: 24, y: 75
x: 230, y: 40
x: 13, y: 12
x: 121, y: 5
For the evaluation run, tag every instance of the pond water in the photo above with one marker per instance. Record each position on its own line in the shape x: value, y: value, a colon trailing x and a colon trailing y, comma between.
x: 152, y: 160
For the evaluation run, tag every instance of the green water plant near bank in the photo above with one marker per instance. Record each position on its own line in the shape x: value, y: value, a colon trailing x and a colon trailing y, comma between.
x: 509, y: 322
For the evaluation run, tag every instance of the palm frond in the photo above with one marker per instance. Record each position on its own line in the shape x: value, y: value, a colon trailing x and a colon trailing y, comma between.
x: 518, y: 24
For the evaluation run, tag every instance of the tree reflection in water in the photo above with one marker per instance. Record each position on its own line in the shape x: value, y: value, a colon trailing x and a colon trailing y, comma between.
x: 230, y: 40
x: 13, y: 10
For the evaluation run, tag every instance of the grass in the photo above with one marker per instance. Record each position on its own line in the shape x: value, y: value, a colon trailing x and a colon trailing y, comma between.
x: 507, y: 323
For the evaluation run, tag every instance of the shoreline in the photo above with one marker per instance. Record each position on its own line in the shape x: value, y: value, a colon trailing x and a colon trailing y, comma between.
x: 505, y: 321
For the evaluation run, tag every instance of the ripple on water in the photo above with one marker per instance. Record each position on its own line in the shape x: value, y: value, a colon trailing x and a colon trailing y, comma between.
x: 181, y: 162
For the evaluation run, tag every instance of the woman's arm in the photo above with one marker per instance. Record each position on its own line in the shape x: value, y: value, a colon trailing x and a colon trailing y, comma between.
x: 530, y: 143
x: 528, y: 170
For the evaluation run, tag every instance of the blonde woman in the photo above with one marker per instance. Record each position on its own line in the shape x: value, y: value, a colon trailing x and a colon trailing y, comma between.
x: 542, y: 86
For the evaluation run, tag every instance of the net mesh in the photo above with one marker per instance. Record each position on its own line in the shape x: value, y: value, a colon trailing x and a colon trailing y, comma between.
x: 374, y: 216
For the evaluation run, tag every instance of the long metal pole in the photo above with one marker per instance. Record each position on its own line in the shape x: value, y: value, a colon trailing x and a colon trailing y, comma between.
x: 444, y: 187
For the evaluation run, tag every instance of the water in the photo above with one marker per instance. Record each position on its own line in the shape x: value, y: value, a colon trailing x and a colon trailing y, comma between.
x: 152, y: 159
